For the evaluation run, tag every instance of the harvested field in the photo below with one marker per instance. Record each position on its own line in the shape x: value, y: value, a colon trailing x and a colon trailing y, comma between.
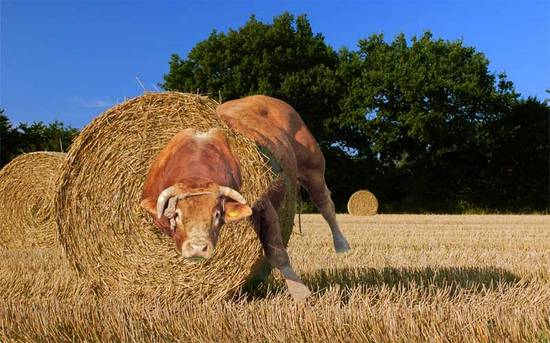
x: 409, y: 278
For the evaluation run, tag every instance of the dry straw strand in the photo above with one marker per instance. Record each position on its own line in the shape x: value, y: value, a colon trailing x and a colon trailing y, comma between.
x: 27, y: 190
x: 112, y: 241
x: 362, y: 203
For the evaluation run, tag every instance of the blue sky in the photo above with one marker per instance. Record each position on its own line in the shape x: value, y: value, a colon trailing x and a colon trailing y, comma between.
x: 71, y: 60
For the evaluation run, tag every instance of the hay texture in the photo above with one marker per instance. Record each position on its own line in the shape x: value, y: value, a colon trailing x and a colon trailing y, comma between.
x: 362, y: 203
x: 111, y: 239
x: 27, y: 191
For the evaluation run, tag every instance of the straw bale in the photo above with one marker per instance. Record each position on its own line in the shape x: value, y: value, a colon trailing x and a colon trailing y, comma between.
x: 362, y: 203
x: 110, y: 238
x: 27, y: 190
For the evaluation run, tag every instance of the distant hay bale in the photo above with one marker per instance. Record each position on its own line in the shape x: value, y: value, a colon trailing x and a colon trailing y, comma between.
x: 111, y: 239
x: 27, y: 191
x: 362, y: 203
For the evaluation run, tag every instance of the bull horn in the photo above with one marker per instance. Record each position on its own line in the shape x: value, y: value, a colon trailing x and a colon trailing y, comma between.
x: 233, y: 194
x: 164, y: 196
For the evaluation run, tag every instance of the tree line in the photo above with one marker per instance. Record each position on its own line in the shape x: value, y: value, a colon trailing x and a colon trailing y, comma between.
x: 15, y: 140
x: 421, y: 122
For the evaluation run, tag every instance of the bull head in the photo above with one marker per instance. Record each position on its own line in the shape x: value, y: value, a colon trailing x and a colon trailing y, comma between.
x: 196, y: 215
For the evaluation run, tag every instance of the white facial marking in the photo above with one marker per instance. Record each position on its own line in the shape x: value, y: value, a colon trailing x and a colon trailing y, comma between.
x: 201, y: 134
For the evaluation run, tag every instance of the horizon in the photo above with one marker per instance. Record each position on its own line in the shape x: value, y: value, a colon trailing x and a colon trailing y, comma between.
x: 72, y: 61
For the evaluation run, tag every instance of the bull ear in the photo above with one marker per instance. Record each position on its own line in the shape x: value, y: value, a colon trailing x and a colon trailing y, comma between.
x: 235, y: 211
x: 150, y: 205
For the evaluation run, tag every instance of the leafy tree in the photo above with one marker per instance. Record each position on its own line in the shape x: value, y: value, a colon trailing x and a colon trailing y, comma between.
x: 38, y: 136
x: 8, y: 138
x: 425, y: 107
x: 35, y: 137
x: 519, y: 164
x: 284, y: 59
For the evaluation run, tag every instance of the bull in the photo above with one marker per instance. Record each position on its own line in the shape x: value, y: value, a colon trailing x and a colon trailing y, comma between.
x: 192, y: 187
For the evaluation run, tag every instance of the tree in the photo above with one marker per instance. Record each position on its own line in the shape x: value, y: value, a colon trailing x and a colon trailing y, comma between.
x: 38, y: 136
x: 35, y: 137
x: 425, y: 107
x: 284, y: 59
x: 8, y: 138
x: 519, y: 165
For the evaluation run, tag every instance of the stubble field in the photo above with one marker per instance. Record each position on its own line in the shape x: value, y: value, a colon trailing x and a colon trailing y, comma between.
x: 408, y: 278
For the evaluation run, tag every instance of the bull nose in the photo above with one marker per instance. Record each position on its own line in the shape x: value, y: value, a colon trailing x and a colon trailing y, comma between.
x: 197, y: 249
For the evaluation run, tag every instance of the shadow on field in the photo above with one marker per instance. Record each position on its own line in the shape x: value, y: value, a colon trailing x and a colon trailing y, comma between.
x: 445, y: 277
x: 452, y: 279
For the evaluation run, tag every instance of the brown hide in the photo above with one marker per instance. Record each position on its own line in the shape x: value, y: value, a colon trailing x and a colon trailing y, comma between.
x: 276, y: 125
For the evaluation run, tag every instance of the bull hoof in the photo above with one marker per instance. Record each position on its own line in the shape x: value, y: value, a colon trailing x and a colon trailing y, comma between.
x: 341, y: 246
x: 298, y: 290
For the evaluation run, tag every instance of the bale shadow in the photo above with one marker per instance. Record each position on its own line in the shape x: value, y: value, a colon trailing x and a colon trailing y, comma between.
x: 452, y: 279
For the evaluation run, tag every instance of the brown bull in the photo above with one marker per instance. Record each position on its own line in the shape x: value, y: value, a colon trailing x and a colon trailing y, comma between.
x: 192, y: 187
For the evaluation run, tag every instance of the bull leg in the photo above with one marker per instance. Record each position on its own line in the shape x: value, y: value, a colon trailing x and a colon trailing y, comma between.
x: 320, y: 195
x: 267, y: 222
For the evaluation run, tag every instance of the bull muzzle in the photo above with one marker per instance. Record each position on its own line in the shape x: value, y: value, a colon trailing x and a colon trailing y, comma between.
x: 197, y: 249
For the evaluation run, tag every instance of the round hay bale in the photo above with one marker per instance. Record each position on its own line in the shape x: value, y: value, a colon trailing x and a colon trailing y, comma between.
x: 362, y: 203
x: 27, y: 191
x: 111, y: 239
